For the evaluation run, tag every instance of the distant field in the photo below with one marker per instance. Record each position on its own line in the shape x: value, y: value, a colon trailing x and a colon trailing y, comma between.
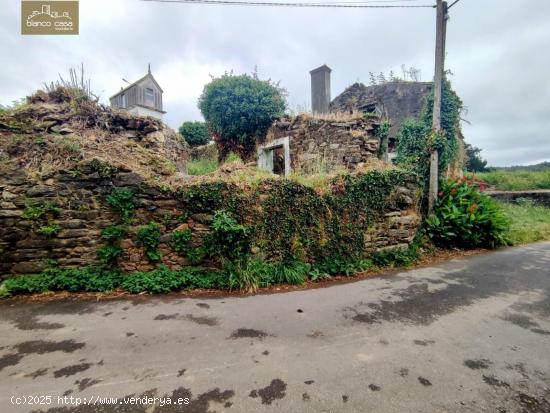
x: 529, y: 222
x: 516, y: 180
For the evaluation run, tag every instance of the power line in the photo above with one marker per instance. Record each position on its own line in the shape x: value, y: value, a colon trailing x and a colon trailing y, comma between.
x: 456, y: 1
x: 357, y: 5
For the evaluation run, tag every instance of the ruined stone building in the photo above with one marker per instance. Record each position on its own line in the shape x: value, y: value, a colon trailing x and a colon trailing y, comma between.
x: 338, y: 134
x: 391, y: 101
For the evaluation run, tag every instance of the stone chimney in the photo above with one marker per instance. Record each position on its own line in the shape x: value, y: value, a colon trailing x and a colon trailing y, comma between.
x: 320, y: 89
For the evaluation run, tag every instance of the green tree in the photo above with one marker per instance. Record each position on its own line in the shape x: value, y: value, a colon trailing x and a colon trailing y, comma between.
x: 474, y: 161
x: 195, y: 133
x: 239, y: 109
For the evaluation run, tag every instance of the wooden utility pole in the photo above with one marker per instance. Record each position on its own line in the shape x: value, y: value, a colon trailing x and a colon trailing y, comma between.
x: 441, y: 30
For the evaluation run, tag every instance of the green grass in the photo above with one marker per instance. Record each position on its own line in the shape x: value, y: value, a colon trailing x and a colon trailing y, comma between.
x: 202, y: 166
x: 517, y: 180
x: 530, y: 222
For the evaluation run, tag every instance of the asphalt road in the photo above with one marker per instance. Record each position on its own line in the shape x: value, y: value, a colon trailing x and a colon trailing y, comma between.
x: 470, y: 335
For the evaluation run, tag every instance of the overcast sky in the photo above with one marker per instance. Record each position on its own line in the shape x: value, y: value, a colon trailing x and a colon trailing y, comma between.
x: 498, y: 51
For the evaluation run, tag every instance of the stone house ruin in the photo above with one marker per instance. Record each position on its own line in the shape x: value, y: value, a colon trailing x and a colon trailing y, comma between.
x: 312, y: 143
x: 142, y: 98
x: 391, y: 101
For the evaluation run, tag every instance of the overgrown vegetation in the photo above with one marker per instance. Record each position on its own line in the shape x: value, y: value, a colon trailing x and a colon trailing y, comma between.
x: 111, y: 251
x: 466, y: 218
x: 195, y: 133
x: 122, y: 200
x: 516, y: 180
x: 239, y: 109
x: 529, y: 222
x: 416, y: 138
x: 148, y: 236
x: 202, y: 166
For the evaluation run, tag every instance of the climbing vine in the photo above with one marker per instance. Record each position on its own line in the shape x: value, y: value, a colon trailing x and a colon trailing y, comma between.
x: 416, y: 138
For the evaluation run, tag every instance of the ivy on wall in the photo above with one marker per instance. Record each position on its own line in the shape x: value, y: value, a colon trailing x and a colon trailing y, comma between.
x: 416, y: 138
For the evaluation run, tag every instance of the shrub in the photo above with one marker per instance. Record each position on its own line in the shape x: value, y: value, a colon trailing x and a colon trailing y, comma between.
x: 113, y: 233
x: 148, y: 236
x: 181, y: 239
x: 337, y: 264
x: 239, y: 110
x: 466, y: 218
x: 227, y: 238
x: 162, y: 280
x: 122, y: 200
x: 195, y: 133
x: 55, y: 279
x: 109, y: 254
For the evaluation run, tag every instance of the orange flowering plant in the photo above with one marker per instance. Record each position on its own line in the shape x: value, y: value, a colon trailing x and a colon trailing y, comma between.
x: 464, y: 217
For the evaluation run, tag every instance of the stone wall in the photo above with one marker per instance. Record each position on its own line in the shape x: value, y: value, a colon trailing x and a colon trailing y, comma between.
x: 336, y: 143
x: 541, y: 196
x: 81, y: 213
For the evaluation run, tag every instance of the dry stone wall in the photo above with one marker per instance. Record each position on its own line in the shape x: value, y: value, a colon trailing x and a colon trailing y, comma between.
x: 284, y: 217
x: 335, y: 143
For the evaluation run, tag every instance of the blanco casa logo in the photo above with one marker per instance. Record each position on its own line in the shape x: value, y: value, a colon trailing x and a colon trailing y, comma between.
x: 50, y: 17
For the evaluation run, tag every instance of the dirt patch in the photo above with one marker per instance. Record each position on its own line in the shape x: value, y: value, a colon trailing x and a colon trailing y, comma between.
x: 404, y: 372
x: 9, y: 360
x: 423, y: 342
x: 531, y: 404
x: 203, y: 305
x: 42, y: 347
x: 276, y: 390
x: 423, y: 381
x: 493, y: 381
x: 32, y: 323
x: 477, y: 364
x: 85, y: 383
x: 71, y: 370
x: 247, y: 333
x: 166, y: 316
x: 207, y: 321
x: 37, y: 373
x: 521, y: 320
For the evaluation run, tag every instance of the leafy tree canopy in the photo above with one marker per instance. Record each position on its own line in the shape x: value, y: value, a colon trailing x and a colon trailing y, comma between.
x: 474, y: 161
x: 195, y: 133
x: 239, y: 109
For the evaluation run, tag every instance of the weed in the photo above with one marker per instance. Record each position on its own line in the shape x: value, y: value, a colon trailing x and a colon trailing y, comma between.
x: 181, y: 239
x: 49, y: 230
x: 122, y: 200
x: 148, y: 236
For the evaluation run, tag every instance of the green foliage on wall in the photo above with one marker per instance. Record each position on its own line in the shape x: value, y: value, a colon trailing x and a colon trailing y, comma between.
x: 181, y: 239
x: 148, y: 236
x: 239, y: 109
x: 227, y: 238
x: 35, y: 212
x: 122, y: 200
x: 415, y: 139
